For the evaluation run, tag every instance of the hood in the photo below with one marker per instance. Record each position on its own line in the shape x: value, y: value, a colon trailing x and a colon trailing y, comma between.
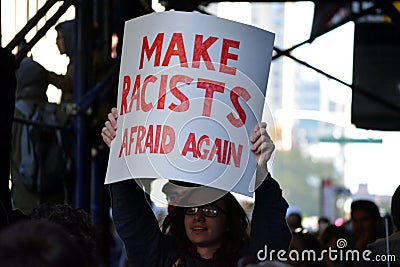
x: 67, y: 29
x: 32, y: 80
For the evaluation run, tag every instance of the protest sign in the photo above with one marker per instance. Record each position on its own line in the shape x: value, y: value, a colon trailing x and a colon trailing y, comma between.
x: 191, y: 90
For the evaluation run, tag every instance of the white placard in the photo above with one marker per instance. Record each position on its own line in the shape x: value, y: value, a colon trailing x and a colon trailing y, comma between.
x: 191, y: 90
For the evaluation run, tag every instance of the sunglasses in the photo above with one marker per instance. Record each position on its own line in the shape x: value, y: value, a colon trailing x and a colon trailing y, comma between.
x: 206, y: 211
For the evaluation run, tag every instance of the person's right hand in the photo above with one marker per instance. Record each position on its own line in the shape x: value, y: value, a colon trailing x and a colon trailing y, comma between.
x: 109, y: 130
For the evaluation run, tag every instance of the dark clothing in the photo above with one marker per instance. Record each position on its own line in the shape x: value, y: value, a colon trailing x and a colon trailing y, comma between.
x: 8, y: 86
x: 66, y: 82
x: 379, y: 249
x: 31, y: 88
x: 147, y: 246
x: 31, y: 81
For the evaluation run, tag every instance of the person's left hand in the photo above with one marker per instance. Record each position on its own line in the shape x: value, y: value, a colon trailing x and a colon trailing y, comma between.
x: 263, y: 147
x: 109, y: 130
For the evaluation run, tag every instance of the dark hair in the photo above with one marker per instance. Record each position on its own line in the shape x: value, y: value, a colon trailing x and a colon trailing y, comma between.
x: 236, y: 236
x: 9, y: 217
x: 307, y: 241
x: 366, y: 205
x: 333, y: 236
x: 323, y: 220
x: 395, y: 208
x: 74, y: 221
x: 331, y: 232
x: 304, y: 241
x: 38, y: 244
x: 294, y: 220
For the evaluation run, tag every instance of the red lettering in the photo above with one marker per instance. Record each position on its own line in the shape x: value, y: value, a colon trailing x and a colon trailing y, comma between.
x: 190, y: 146
x: 167, y: 133
x: 162, y: 92
x: 216, y: 149
x: 149, y: 139
x: 135, y: 94
x: 140, y: 136
x: 229, y: 154
x: 210, y: 87
x: 125, y: 91
x: 176, y: 40
x: 206, y: 139
x: 226, y: 145
x: 156, y: 46
x: 157, y: 142
x: 234, y: 95
x: 163, y: 139
x: 146, y: 106
x: 178, y: 94
x: 225, y: 55
x: 236, y: 156
x: 131, y: 139
x: 124, y: 143
x: 224, y: 153
x: 200, y: 51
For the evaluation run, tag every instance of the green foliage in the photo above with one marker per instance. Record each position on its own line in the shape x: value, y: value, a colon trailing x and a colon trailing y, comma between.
x: 300, y: 179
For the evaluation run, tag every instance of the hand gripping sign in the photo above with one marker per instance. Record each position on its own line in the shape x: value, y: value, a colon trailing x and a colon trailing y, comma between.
x: 191, y: 90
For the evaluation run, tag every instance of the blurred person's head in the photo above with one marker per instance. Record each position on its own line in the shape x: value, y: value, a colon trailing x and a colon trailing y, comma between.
x: 364, y: 216
x: 323, y: 223
x: 38, y: 244
x: 293, y: 220
x: 331, y: 234
x: 8, y: 217
x: 331, y: 237
x: 304, y: 241
x: 76, y: 222
x: 31, y: 81
x: 395, y: 208
x: 65, y: 39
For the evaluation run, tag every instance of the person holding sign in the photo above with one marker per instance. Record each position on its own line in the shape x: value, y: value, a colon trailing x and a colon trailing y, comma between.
x: 213, y: 234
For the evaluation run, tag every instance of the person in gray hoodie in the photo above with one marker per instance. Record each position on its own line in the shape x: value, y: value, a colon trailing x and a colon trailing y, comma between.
x: 31, y: 90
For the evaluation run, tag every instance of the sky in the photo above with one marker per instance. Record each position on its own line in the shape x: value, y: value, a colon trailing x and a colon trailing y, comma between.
x: 374, y: 164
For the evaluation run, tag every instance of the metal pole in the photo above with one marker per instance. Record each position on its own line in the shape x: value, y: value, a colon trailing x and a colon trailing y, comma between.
x: 49, y: 23
x: 82, y: 82
x: 33, y: 22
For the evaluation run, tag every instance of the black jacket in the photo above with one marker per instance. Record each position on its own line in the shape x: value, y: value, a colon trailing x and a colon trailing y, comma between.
x: 147, y: 246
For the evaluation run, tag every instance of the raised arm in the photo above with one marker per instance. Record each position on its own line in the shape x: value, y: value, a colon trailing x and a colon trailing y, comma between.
x: 134, y: 220
x: 64, y: 82
x: 137, y: 226
x: 268, y: 226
